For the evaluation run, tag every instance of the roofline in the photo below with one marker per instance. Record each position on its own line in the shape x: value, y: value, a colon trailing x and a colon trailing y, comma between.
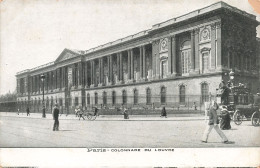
x: 193, y: 14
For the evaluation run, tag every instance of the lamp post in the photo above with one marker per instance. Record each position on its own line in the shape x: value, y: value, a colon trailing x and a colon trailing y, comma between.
x: 43, y: 106
x: 231, y: 96
x: 232, y: 76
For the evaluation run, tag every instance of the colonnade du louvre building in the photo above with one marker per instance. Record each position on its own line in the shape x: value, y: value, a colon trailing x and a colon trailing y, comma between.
x: 176, y: 63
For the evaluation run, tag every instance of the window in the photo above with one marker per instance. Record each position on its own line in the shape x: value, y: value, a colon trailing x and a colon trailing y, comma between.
x: 182, y: 94
x: 76, y: 101
x: 164, y: 69
x: 88, y: 99
x: 124, y: 97
x: 60, y: 102
x: 113, y: 97
x: 148, y: 96
x: 104, y: 97
x: 204, y: 92
x: 163, y: 95
x: 96, y: 98
x: 185, y: 57
x: 135, y: 96
x: 205, y: 61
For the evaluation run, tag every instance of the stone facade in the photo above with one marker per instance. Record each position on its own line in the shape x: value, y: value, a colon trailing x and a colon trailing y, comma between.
x: 183, y: 58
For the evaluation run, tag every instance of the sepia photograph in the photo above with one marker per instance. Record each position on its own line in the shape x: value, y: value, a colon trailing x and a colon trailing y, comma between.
x: 134, y: 76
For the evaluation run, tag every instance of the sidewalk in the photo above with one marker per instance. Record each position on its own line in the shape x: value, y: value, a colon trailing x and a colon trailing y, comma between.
x: 171, y: 117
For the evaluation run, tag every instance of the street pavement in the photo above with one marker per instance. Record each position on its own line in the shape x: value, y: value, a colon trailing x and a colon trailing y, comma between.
x: 140, y: 131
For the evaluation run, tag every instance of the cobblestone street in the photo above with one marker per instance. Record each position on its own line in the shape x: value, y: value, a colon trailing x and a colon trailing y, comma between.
x: 114, y: 131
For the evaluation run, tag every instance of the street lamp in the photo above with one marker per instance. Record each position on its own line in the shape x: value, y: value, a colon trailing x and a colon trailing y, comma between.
x: 43, y: 106
x: 232, y: 76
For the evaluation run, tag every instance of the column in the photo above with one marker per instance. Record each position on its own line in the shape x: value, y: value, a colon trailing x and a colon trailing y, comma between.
x: 174, y: 56
x: 213, y: 46
x: 108, y: 67
x: 128, y: 64
x: 132, y: 64
x: 86, y: 74
x: 111, y: 68
x: 121, y: 67
x: 54, y: 79
x: 118, y: 67
x: 197, y: 54
x: 92, y: 73
x: 101, y: 72
x: 144, y: 63
x: 141, y: 61
x: 57, y: 78
x: 169, y: 56
x: 80, y: 74
x: 192, y: 51
x: 51, y: 80
x: 218, y: 27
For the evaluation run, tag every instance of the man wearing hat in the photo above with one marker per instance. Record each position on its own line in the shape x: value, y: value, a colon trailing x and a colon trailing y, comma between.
x: 212, y: 121
x: 55, y: 114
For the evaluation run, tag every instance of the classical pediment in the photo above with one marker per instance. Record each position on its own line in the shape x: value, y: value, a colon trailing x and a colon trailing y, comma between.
x: 67, y: 54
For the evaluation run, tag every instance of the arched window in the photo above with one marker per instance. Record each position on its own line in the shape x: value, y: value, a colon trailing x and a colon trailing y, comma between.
x: 185, y: 51
x: 148, y: 96
x: 104, y: 98
x: 163, y: 95
x: 204, y: 92
x: 96, y: 98
x: 182, y: 94
x: 124, y: 97
x: 113, y: 97
x: 135, y: 96
x: 88, y: 99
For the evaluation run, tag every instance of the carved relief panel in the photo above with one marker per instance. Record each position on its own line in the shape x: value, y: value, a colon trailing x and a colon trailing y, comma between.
x: 204, y: 34
x: 164, y: 45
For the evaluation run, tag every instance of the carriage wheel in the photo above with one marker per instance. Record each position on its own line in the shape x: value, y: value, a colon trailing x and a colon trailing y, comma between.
x: 93, y: 117
x: 255, y: 119
x: 237, y: 117
x: 89, y: 116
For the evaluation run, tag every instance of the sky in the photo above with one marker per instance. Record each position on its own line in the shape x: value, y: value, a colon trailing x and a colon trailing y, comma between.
x: 35, y: 32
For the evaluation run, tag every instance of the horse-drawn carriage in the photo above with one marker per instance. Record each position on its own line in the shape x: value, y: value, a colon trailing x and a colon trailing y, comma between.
x: 240, y: 103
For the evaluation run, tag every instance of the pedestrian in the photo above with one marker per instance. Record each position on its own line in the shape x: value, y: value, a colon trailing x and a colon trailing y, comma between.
x: 28, y: 111
x: 80, y: 114
x: 55, y: 114
x: 225, y: 119
x: 95, y: 111
x: 212, y: 121
x: 125, y: 112
x: 194, y: 106
x: 163, y: 113
x: 18, y: 110
x: 77, y: 111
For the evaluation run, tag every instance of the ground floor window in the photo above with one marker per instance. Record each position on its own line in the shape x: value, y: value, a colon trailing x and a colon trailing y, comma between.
x: 182, y: 94
x: 88, y: 99
x: 124, y: 97
x: 113, y: 97
x: 204, y: 92
x: 76, y: 101
x: 148, y: 96
x: 104, y: 98
x: 135, y: 96
x: 96, y: 98
x: 163, y: 95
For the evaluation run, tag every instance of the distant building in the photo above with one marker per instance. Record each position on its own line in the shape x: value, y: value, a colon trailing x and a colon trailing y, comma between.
x: 177, y: 61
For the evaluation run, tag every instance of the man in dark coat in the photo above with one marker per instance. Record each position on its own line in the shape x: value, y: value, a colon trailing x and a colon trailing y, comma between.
x: 55, y: 114
x: 28, y: 111
x: 164, y: 113
x: 225, y: 120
